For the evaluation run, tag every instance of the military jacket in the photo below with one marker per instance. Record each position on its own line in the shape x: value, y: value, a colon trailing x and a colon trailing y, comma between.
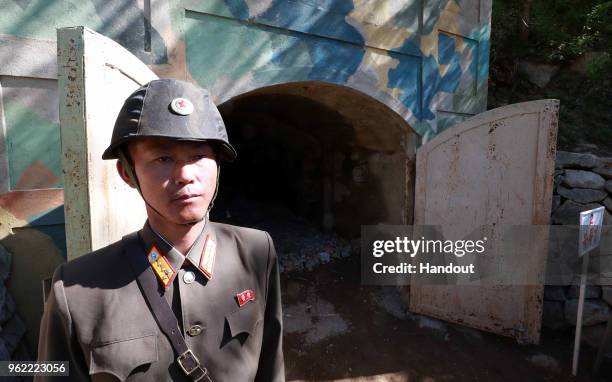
x: 228, y: 306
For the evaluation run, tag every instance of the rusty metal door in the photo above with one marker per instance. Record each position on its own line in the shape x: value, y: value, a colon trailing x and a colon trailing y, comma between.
x: 493, y: 169
x: 95, y: 75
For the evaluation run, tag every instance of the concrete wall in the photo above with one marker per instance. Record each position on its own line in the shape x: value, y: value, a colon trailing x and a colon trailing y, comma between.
x: 426, y: 60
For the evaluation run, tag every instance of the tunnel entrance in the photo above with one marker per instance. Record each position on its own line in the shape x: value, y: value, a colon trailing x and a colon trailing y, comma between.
x: 315, y: 162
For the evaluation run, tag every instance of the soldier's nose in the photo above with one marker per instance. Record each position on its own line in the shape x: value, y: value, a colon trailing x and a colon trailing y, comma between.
x: 183, y: 174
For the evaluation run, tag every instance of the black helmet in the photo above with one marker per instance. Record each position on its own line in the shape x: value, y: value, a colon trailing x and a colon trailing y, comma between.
x: 171, y: 109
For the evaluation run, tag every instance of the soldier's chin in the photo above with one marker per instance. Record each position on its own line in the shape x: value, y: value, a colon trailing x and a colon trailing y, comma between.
x: 191, y: 216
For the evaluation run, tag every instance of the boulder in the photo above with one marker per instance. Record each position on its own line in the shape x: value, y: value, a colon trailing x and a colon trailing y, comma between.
x: 608, y: 203
x: 12, y: 332
x: 538, y: 74
x: 553, y: 316
x: 591, y: 291
x: 5, y: 263
x: 583, y: 179
x: 582, y: 195
x: 554, y: 293
x: 8, y: 309
x: 5, y: 355
x: 608, y: 186
x: 566, y: 159
x: 604, y: 171
x: 593, y: 335
x: 606, y: 294
x: 545, y: 362
x: 595, y: 312
x: 556, y: 202
x: 568, y: 213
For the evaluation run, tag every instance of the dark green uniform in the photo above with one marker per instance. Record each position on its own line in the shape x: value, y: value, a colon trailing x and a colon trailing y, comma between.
x: 97, y: 319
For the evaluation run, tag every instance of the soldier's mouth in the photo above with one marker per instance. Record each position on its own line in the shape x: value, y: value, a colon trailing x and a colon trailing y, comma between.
x: 186, y: 198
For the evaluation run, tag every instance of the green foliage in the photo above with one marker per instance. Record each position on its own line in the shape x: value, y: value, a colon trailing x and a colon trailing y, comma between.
x: 559, y: 30
x: 599, y: 67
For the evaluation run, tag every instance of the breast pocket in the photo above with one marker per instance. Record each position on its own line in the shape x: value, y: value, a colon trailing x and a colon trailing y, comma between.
x: 243, y: 323
x: 121, y: 357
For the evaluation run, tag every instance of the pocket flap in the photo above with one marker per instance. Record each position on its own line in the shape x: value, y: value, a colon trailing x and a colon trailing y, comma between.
x: 120, y: 357
x: 244, y: 319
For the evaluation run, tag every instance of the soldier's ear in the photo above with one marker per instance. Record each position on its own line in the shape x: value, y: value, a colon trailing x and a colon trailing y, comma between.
x: 124, y: 174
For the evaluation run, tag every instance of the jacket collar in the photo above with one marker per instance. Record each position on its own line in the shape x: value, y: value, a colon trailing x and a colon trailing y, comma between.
x: 201, y: 254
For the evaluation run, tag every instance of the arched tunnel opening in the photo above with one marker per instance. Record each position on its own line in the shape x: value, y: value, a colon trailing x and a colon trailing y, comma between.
x: 316, y: 161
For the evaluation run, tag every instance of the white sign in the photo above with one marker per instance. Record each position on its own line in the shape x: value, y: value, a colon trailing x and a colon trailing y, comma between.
x: 590, y: 229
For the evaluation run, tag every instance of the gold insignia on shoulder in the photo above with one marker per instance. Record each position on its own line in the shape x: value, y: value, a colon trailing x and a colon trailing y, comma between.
x: 207, y: 259
x: 161, y: 266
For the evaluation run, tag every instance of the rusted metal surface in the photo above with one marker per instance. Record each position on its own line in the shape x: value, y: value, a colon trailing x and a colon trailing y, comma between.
x: 95, y: 76
x: 495, y: 169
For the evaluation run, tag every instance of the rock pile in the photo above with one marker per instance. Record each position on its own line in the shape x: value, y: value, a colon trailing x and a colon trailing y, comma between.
x: 300, y: 244
x: 582, y: 182
x: 12, y: 328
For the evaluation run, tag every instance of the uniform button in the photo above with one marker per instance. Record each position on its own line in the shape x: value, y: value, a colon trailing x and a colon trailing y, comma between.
x: 188, y: 277
x: 195, y: 330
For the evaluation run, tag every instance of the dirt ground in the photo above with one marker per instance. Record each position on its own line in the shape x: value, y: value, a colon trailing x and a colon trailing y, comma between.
x: 336, y: 329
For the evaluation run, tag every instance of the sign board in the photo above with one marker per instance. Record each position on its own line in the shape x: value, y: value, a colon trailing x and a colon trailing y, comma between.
x: 590, y: 229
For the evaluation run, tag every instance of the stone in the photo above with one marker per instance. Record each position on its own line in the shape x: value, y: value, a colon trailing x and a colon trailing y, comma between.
x: 608, y: 203
x: 346, y: 252
x: 606, y: 294
x: 553, y: 316
x: 325, y: 257
x: 8, y: 309
x: 12, y: 332
x: 566, y: 159
x: 591, y: 291
x: 3, y: 294
x: 556, y: 202
x: 433, y: 324
x: 592, y: 335
x: 554, y: 293
x: 607, y: 220
x: 545, y: 362
x: 569, y: 212
x: 583, y: 179
x: 608, y: 186
x: 5, y: 355
x: 5, y: 263
x: 538, y: 74
x: 595, y: 312
x: 604, y: 171
x: 311, y: 263
x: 582, y: 195
x: 22, y: 353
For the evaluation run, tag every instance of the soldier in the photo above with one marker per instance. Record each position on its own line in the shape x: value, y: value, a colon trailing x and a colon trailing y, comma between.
x: 184, y: 298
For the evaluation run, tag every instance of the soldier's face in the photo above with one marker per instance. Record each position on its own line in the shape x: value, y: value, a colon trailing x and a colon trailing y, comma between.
x: 178, y: 178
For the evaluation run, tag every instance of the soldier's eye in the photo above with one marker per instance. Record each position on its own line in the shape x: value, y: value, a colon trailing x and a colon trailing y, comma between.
x: 163, y: 159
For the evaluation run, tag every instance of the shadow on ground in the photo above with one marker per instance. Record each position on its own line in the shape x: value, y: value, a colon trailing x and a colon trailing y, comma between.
x: 336, y: 329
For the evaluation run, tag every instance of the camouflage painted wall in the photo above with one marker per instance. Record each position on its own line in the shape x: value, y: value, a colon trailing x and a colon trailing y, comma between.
x: 425, y: 59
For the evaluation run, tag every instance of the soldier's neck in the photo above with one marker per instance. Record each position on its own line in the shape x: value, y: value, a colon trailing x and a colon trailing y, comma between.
x: 179, y: 236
